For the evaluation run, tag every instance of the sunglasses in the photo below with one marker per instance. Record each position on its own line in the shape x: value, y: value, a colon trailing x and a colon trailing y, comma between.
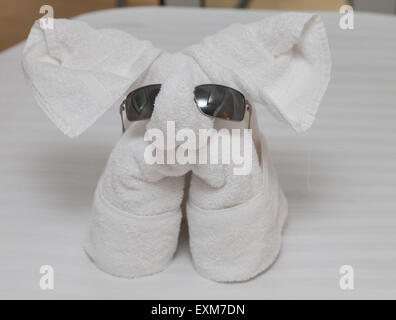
x: 212, y: 100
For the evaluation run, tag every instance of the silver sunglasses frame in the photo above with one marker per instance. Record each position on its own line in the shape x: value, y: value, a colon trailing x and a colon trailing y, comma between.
x: 248, y: 108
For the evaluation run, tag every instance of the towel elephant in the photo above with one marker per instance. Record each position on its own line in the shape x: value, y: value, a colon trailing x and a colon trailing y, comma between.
x: 235, y: 221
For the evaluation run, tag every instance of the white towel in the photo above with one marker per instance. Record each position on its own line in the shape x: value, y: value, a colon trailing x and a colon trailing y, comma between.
x: 77, y: 72
x: 235, y: 222
x: 282, y: 62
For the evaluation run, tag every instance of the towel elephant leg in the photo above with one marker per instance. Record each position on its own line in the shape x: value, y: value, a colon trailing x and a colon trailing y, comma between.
x: 136, y: 212
x: 235, y: 221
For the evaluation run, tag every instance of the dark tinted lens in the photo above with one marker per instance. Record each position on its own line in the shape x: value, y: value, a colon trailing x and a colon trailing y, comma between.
x: 140, y: 103
x: 220, y: 102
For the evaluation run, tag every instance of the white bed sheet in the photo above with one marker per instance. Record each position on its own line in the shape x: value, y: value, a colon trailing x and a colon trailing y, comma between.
x: 340, y: 178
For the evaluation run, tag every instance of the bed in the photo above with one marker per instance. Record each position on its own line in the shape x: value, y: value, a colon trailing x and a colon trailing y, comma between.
x: 339, y: 178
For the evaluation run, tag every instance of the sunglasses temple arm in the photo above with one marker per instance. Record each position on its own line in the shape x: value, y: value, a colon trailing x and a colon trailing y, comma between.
x: 122, y: 108
x: 249, y: 109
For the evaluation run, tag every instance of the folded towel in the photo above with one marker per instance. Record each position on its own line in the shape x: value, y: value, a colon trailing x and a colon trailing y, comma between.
x: 136, y: 212
x: 282, y: 62
x: 77, y: 73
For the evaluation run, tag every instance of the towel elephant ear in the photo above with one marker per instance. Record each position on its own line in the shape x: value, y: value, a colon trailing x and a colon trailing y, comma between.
x: 77, y: 72
x: 282, y: 62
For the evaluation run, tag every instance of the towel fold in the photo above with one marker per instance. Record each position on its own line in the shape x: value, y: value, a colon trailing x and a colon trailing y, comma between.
x: 282, y: 62
x: 77, y: 72
x: 136, y: 212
